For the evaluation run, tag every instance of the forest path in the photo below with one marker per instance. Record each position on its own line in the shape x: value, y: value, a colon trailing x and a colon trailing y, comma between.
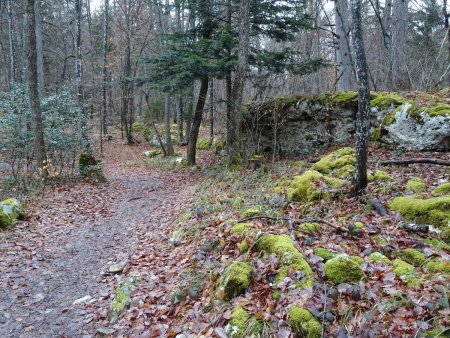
x: 63, y: 253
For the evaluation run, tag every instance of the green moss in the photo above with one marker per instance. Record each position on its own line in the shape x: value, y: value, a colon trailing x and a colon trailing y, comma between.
x: 359, y: 225
x: 324, y: 253
x: 289, y: 256
x: 308, y: 137
x: 379, y: 257
x: 435, y: 211
x: 235, y: 279
x: 386, y: 100
x: 406, y: 272
x: 203, y: 144
x: 390, y: 117
x: 298, y: 164
x: 356, y: 259
x: 10, y: 211
x: 438, y: 265
x: 237, y: 326
x: 243, y: 247
x: 240, y: 229
x: 238, y: 201
x: 436, y: 110
x: 415, y: 185
x: 122, y: 298
x: 443, y: 189
x: 335, y: 160
x: 412, y: 256
x: 437, y: 244
x: 304, y: 323
x: 346, y: 171
x: 304, y: 187
x: 379, y: 240
x: 379, y: 175
x: 310, y: 227
x: 137, y: 127
x: 343, y: 97
x: 252, y: 211
x: 445, y: 234
x: 376, y: 135
x: 257, y: 158
x: 276, y: 295
x: 342, y: 269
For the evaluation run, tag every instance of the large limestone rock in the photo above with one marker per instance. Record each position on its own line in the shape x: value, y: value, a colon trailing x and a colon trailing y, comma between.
x: 411, y: 128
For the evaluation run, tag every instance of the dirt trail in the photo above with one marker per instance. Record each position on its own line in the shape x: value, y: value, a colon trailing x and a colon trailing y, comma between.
x: 65, y: 254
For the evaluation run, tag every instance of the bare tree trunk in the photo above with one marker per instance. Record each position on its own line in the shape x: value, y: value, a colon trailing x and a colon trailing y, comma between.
x: 211, y: 113
x: 362, y: 117
x: 237, y: 92
x: 343, y: 56
x: 169, y: 146
x: 386, y: 45
x: 192, y: 145
x: 35, y: 107
x: 399, y: 27
x: 39, y: 48
x: 189, y: 113
x: 79, y: 78
x: 104, y: 127
x: 180, y: 120
x: 12, y: 48
x: 447, y: 27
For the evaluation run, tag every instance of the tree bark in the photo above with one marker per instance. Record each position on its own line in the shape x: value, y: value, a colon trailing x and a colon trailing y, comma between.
x: 39, y: 48
x: 343, y: 56
x: 35, y: 107
x: 237, y: 92
x: 399, y: 28
x: 211, y: 113
x: 12, y: 48
x: 362, y: 117
x: 104, y: 126
x: 180, y: 120
x: 169, y: 146
x: 192, y: 145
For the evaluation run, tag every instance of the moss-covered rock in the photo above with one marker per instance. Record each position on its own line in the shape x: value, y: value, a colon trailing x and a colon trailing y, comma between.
x: 342, y: 269
x: 412, y: 256
x: 276, y: 295
x: 438, y: 265
x: 343, y: 97
x: 235, y: 279
x: 325, y: 254
x: 435, y: 211
x: 289, y: 256
x: 406, y: 272
x: 445, y: 234
x: 252, y: 211
x: 379, y: 257
x: 304, y: 323
x: 122, y: 299
x: 310, y: 227
x: 152, y: 153
x: 237, y: 326
x: 379, y: 175
x: 312, y: 185
x: 415, y: 185
x: 240, y: 229
x: 386, y: 100
x: 346, y: 171
x: 10, y: 211
x: 335, y: 160
x: 443, y: 189
x: 243, y: 246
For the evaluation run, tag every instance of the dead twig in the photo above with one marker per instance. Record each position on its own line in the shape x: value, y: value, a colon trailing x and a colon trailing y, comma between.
x: 417, y: 160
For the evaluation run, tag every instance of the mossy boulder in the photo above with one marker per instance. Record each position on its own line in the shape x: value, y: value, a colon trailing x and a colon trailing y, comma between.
x: 387, y: 100
x: 304, y: 323
x: 241, y: 229
x: 335, y: 160
x: 152, y: 153
x: 10, y: 211
x: 445, y: 234
x: 252, y: 211
x: 438, y: 265
x: 406, y: 272
x: 310, y: 227
x: 342, y: 269
x: 379, y: 257
x: 346, y: 171
x: 341, y: 98
x: 325, y: 254
x: 415, y: 185
x: 290, y: 258
x: 443, y: 189
x: 203, y: 144
x: 237, y: 326
x: 235, y: 280
x: 243, y: 246
x: 412, y: 256
x: 435, y: 211
x: 122, y: 299
x: 379, y: 175
x: 313, y: 185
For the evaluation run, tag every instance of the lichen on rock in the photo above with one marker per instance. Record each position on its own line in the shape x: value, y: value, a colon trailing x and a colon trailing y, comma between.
x: 313, y: 185
x: 235, y: 280
x: 122, y: 299
x: 343, y: 269
x: 435, y: 211
x: 304, y: 323
x: 412, y: 256
x: 415, y: 185
x: 289, y: 256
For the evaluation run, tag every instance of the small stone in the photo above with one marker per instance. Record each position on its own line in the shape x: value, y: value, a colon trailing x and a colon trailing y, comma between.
x: 82, y: 300
x: 117, y: 268
x: 106, y: 331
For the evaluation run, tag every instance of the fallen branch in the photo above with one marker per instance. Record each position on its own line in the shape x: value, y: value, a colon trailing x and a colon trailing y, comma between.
x: 414, y: 227
x: 417, y: 160
x: 378, y: 207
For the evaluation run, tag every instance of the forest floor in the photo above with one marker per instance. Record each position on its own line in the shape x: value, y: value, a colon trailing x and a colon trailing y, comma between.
x: 171, y: 225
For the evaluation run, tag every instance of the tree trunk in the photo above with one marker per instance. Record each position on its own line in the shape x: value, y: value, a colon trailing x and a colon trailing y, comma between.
x: 169, y: 146
x: 386, y: 46
x: 35, y: 107
x: 190, y: 110
x: 362, y: 117
x: 39, y: 48
x: 104, y: 127
x: 399, y: 27
x: 447, y: 28
x: 180, y: 120
x: 237, y: 92
x: 343, y: 56
x: 79, y: 78
x: 211, y: 113
x: 12, y: 48
x: 192, y: 145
